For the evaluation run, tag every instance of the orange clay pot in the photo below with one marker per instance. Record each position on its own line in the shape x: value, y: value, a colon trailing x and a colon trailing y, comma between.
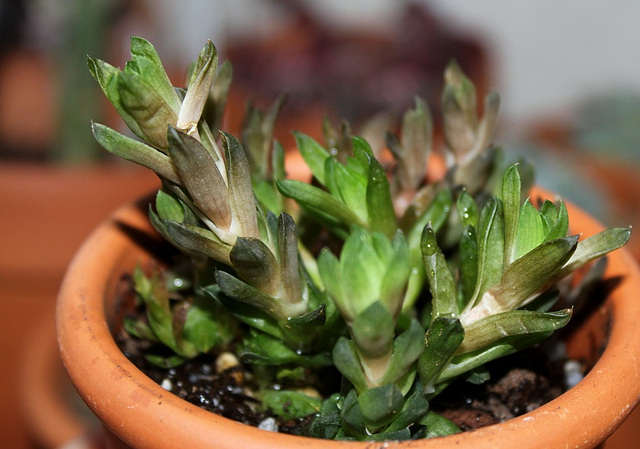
x: 138, y: 413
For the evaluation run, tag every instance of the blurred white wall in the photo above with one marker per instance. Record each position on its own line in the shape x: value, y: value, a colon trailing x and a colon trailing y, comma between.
x: 548, y: 54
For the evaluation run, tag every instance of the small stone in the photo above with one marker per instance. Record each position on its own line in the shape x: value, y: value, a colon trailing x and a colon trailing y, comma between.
x: 226, y: 361
x: 268, y: 424
x: 572, y: 373
x: 166, y: 384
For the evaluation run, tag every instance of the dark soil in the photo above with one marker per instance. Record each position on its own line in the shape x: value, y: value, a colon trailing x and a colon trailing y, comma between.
x: 519, y: 383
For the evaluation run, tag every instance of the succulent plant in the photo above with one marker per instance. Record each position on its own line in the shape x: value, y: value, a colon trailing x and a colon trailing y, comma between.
x: 413, y: 283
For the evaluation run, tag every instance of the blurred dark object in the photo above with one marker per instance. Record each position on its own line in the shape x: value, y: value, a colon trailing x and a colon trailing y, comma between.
x: 13, y: 14
x: 354, y: 75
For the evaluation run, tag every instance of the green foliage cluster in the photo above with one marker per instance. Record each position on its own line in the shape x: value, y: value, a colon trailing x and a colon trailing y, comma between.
x: 411, y: 285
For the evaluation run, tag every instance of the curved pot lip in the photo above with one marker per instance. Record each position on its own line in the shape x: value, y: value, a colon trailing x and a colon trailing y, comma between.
x: 108, y: 382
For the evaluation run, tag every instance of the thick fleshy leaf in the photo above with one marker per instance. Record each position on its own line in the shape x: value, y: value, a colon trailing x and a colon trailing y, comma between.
x: 467, y: 209
x: 490, y: 236
x: 351, y: 417
x: 468, y: 254
x: 135, y: 151
x: 169, y: 208
x: 346, y: 360
x: 593, y: 247
x: 511, y: 188
x: 313, y: 154
x: 441, y: 282
x: 395, y: 279
x: 494, y: 328
x: 438, y: 426
x: 331, y: 275
x: 149, y: 66
x: 561, y: 225
x: 150, y: 111
x: 347, y: 186
x: 198, y: 89
x: 262, y: 349
x: 241, y: 196
x: 311, y: 197
x: 246, y: 313
x: 290, y: 404
x: 380, y: 212
x: 415, y: 406
x: 379, y: 406
x: 372, y: 331
x: 464, y: 363
x: 254, y: 263
x: 530, y: 230
x: 527, y: 275
x: 442, y: 340
x: 407, y: 347
x: 200, y: 176
x: 289, y: 258
x: 208, y: 324
x: 107, y: 77
x: 243, y: 292
x: 198, y: 240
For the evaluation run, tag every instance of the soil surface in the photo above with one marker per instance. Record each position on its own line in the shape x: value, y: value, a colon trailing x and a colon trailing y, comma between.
x: 518, y: 384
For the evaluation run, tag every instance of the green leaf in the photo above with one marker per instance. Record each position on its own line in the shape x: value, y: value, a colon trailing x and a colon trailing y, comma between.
x: 468, y: 209
x: 207, y: 325
x: 195, y: 239
x: 398, y: 270
x: 593, y: 247
x: 198, y: 89
x: 381, y: 215
x: 243, y: 292
x: 149, y: 66
x: 263, y: 349
x: 561, y: 226
x: 246, y: 313
x: 107, y: 77
x: 312, y: 197
x: 200, y: 175
x: 351, y: 416
x: 441, y: 282
x: 530, y: 273
x: 407, y: 347
x: 346, y: 360
x: 290, y: 404
x: 347, y: 186
x: 490, y: 237
x: 169, y: 208
x: 468, y: 255
x: 465, y: 363
x: 289, y: 268
x: 313, y: 154
x: 442, y: 340
x: 415, y: 407
x: 373, y: 331
x: 379, y: 406
x: 494, y: 328
x: 135, y: 151
x: 530, y: 230
x: 511, y: 190
x: 255, y: 264
x: 150, y: 111
x: 241, y: 194
x: 438, y: 426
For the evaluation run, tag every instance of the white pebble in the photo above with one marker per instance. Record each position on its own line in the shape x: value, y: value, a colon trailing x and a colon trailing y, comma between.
x: 268, y: 424
x: 166, y: 384
x: 572, y: 373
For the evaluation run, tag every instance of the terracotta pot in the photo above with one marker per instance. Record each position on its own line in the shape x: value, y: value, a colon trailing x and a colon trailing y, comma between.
x: 138, y: 413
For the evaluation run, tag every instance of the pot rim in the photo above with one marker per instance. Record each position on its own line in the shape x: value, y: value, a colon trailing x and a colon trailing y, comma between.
x: 582, y: 417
